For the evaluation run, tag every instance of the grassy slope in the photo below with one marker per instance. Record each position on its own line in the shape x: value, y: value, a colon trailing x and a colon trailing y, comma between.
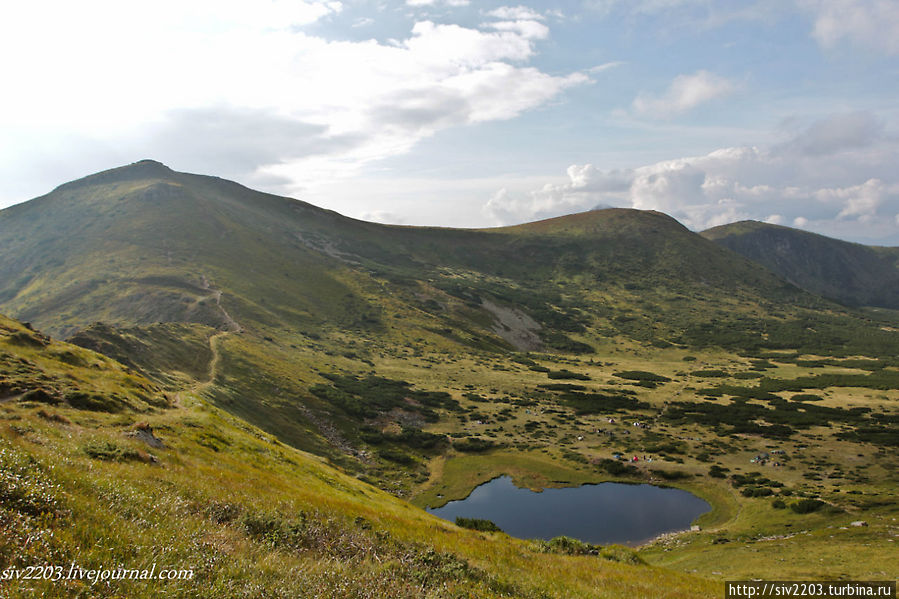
x: 850, y: 273
x: 250, y: 516
x: 353, y: 298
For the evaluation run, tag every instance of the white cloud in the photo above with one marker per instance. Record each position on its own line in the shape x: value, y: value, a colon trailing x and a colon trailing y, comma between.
x: 872, y: 23
x: 382, y: 216
x: 859, y: 201
x: 435, y: 2
x: 685, y: 93
x: 515, y: 13
x: 852, y: 130
x: 605, y: 66
x: 851, y: 191
x: 527, y: 29
x: 346, y: 103
x: 641, y: 6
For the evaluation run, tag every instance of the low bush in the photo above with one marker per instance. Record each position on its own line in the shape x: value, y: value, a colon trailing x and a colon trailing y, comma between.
x: 478, y: 524
x: 807, y: 506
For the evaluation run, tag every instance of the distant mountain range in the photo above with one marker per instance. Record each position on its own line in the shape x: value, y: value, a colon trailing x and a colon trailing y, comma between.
x: 849, y: 273
x: 164, y: 259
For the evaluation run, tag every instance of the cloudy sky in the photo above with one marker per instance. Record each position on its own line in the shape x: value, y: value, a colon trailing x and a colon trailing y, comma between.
x: 469, y: 112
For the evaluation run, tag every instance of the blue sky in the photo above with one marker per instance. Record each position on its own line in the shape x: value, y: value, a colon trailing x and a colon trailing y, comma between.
x: 474, y: 113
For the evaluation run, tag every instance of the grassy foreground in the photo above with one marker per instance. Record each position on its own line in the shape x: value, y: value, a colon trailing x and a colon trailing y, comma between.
x: 171, y: 481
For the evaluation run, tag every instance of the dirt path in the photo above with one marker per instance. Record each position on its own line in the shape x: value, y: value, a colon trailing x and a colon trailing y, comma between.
x: 216, y: 295
x: 215, y: 340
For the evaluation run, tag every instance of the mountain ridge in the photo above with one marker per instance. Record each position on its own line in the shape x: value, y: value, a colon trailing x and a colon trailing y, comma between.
x: 850, y: 273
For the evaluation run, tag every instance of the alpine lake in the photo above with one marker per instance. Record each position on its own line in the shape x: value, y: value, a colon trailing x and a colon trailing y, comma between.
x: 605, y: 513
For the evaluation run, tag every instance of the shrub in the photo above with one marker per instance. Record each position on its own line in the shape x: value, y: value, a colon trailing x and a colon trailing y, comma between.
x: 756, y: 492
x: 473, y: 444
x: 567, y: 374
x: 40, y: 395
x: 710, y: 373
x: 91, y: 401
x: 616, y: 468
x: 717, y: 471
x: 642, y: 375
x: 111, y: 452
x: 807, y: 506
x: 478, y: 524
x: 396, y: 456
x: 568, y: 546
x: 672, y: 474
x: 806, y: 397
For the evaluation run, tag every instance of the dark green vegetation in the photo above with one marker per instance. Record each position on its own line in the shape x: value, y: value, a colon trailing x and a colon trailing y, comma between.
x: 424, y: 361
x: 850, y: 273
x: 478, y: 524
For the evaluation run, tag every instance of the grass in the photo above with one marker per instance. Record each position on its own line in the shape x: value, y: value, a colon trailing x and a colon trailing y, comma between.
x: 370, y: 347
x: 252, y: 517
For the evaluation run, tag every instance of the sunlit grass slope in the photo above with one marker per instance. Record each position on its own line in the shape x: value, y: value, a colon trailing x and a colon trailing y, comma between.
x: 136, y: 478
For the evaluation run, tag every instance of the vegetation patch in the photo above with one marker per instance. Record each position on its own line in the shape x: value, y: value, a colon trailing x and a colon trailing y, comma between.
x: 807, y: 506
x: 113, y: 452
x: 474, y: 445
x: 567, y: 374
x: 478, y: 524
x: 642, y: 375
x: 373, y: 395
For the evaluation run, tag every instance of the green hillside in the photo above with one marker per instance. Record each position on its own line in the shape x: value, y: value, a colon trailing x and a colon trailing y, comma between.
x: 280, y: 343
x: 128, y: 476
x: 849, y: 273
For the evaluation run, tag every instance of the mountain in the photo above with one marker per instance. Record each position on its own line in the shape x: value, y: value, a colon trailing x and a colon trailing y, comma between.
x: 849, y: 273
x: 143, y: 244
x: 296, y: 364
x: 179, y: 267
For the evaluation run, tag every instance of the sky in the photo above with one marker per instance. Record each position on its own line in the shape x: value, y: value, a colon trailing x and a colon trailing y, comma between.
x: 471, y: 113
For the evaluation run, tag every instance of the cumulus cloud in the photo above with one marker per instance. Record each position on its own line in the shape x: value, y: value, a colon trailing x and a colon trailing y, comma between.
x: 187, y: 136
x: 871, y: 23
x: 851, y: 190
x: 437, y: 2
x: 683, y: 94
x: 515, y: 13
x: 319, y: 108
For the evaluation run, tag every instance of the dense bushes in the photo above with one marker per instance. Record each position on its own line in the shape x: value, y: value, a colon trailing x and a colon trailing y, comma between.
x: 782, y: 417
x: 616, y: 467
x: 642, y: 375
x: 473, y: 445
x: 478, y: 524
x: 410, y: 437
x: 374, y: 395
x: 567, y: 374
x: 806, y: 506
x: 601, y: 403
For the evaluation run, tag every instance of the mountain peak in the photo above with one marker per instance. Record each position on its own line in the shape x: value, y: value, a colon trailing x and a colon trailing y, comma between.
x: 603, y: 220
x: 142, y: 169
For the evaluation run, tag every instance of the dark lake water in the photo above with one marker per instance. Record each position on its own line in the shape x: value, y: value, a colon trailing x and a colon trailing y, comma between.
x: 602, y: 514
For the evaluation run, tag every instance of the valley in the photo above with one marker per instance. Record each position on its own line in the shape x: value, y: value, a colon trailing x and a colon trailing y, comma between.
x: 313, y: 378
